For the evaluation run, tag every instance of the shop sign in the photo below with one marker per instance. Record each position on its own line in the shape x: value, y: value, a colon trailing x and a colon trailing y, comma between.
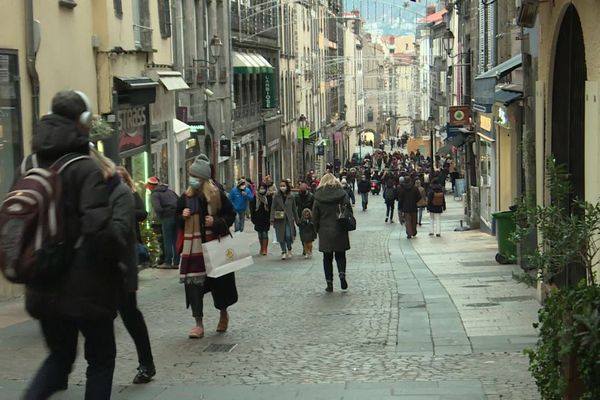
x: 132, y: 128
x: 225, y: 148
x: 502, y: 119
x: 269, y: 98
x: 459, y: 115
x: 485, y: 123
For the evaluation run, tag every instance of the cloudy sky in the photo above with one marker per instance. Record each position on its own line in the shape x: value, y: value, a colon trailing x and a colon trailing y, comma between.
x: 390, y: 17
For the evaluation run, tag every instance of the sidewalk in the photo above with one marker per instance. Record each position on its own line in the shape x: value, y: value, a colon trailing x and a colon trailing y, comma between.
x: 430, y: 319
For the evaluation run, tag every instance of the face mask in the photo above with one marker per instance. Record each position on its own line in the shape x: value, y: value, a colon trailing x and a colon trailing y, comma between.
x: 243, y: 187
x: 194, y: 182
x: 262, y: 191
x: 283, y: 188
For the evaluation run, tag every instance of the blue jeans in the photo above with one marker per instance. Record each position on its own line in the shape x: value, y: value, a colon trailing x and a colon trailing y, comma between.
x: 263, y: 235
x: 365, y: 200
x: 169, y: 232
x: 239, y: 220
x: 288, y: 239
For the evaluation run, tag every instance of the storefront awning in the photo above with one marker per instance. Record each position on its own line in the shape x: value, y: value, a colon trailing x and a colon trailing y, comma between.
x: 253, y: 61
x: 485, y: 84
x: 266, y: 65
x: 135, y: 90
x: 241, y: 65
x: 141, y: 82
x: 507, y: 97
x: 172, y: 80
x: 181, y: 130
x: 503, y: 69
x: 455, y: 141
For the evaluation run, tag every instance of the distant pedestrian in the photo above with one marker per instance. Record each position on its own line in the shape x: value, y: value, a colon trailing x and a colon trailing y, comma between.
x: 436, y: 206
x: 204, y: 209
x: 348, y: 191
x: 260, y: 212
x: 307, y: 232
x: 122, y: 202
x: 284, y: 217
x: 422, y: 203
x: 83, y: 297
x: 390, y: 194
x: 408, y: 198
x: 364, y: 187
x: 334, y: 241
x: 304, y: 198
x: 240, y: 196
x: 164, y: 204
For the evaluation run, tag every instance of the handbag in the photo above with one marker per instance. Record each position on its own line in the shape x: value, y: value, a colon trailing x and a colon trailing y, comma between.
x: 225, y: 255
x: 345, y: 218
x: 279, y: 215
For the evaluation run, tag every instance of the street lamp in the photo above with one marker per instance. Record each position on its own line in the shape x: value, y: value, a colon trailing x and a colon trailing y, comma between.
x: 448, y: 41
x: 302, y: 123
x: 216, y: 44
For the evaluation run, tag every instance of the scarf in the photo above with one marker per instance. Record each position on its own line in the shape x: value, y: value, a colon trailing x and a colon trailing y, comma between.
x: 192, y: 269
x: 261, y: 200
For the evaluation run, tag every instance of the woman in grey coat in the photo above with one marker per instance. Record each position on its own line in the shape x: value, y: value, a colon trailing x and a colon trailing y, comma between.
x: 330, y: 199
x: 284, y: 217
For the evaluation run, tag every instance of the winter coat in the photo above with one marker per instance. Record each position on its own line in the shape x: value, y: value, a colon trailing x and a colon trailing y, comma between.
x: 307, y: 230
x: 240, y: 200
x: 88, y: 288
x: 261, y: 218
x: 164, y: 202
x: 328, y: 201
x: 408, y: 197
x: 304, y: 201
x: 140, y: 215
x: 223, y: 288
x: 423, y: 201
x: 364, y: 186
x: 436, y: 188
x: 288, y: 205
x: 124, y: 222
x: 350, y: 194
x: 390, y: 194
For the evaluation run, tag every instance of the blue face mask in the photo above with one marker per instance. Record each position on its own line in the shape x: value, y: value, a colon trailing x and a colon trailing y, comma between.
x: 194, y: 182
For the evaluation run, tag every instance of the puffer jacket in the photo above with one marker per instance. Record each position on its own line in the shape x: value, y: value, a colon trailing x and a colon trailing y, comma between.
x: 328, y: 202
x: 164, y: 202
x: 88, y: 288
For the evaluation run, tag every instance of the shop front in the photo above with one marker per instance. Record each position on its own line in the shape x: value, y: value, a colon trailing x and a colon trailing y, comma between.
x: 486, y: 154
x: 272, y: 159
x: 11, y: 132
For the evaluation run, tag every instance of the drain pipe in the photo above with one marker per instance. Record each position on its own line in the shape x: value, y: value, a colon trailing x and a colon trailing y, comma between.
x: 31, y: 58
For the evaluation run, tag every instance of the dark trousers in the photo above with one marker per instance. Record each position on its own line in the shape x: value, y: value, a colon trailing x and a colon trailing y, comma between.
x: 411, y: 223
x: 389, y: 210
x: 365, y: 200
x: 340, y: 260
x: 195, y: 297
x: 61, y: 338
x: 169, y: 233
x: 136, y: 326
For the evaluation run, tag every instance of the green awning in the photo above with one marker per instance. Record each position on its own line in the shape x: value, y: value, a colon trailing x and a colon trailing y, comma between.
x: 253, y: 59
x: 267, y: 67
x: 241, y: 65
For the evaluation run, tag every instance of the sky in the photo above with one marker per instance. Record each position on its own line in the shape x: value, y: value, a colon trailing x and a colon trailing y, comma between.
x: 390, y: 17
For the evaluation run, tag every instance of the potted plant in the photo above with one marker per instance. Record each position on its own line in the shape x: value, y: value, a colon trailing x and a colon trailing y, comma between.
x: 566, y: 359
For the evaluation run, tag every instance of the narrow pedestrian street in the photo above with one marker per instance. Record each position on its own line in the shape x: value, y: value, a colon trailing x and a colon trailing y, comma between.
x: 430, y: 318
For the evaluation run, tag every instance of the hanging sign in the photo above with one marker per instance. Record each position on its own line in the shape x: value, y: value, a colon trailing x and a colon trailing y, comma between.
x: 225, y: 148
x: 459, y: 115
x: 303, y: 133
x: 269, y: 97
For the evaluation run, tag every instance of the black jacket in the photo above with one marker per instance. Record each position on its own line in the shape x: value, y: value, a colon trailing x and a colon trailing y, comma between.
x: 435, y: 188
x: 364, y: 186
x: 89, y: 286
x: 304, y: 201
x: 140, y: 215
x: 164, y: 202
x: 261, y: 218
x: 408, y: 196
x: 328, y: 201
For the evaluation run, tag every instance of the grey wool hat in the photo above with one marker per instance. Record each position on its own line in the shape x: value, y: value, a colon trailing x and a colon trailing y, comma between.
x: 201, y: 167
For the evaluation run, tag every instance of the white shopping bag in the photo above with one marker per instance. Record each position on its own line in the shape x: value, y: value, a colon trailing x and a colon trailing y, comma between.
x: 228, y: 254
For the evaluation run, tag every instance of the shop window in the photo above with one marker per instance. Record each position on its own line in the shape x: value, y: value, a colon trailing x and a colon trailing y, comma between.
x: 11, y: 150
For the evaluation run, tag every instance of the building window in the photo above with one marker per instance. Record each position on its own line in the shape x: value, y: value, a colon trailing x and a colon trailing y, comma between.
x: 142, y: 32
x: 118, y: 6
x: 11, y: 150
x: 164, y: 18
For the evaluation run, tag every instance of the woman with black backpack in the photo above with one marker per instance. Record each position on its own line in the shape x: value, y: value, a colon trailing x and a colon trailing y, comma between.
x: 436, y: 205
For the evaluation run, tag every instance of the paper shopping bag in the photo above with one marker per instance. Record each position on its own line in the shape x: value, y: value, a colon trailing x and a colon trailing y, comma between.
x: 228, y: 254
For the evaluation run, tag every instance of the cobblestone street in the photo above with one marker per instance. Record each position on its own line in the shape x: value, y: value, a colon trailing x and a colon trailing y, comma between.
x: 429, y: 318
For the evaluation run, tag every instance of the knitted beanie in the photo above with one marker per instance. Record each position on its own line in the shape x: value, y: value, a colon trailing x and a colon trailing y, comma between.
x: 201, y: 167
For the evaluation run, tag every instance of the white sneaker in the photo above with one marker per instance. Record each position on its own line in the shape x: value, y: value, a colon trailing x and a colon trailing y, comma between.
x: 289, y: 255
x: 283, y: 256
x: 306, y: 256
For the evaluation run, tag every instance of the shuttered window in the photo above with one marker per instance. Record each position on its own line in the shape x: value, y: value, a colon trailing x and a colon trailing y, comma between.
x: 118, y: 6
x: 164, y: 18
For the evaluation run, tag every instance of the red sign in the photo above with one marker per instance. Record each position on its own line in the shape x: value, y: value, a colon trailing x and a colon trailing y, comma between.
x: 460, y: 115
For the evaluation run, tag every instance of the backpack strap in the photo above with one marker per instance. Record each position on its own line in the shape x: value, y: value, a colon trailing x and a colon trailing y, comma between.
x: 34, y: 163
x: 62, y: 163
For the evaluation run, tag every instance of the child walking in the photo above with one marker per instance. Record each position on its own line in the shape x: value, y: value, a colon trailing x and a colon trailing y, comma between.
x: 307, y: 232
